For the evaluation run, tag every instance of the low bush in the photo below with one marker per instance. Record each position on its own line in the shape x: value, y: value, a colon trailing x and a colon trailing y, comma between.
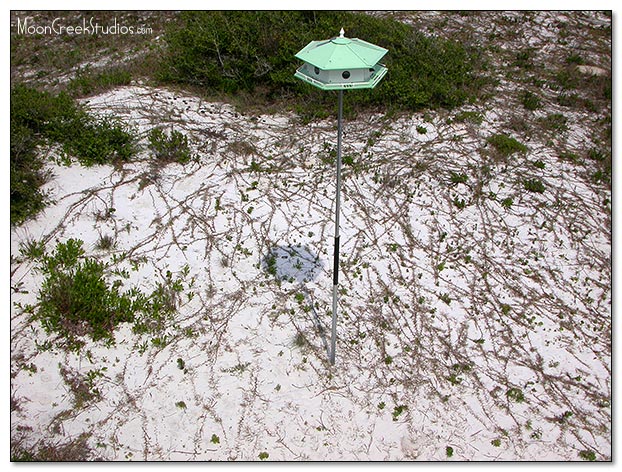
x: 76, y: 299
x: 534, y: 185
x: 169, y: 148
x: 506, y: 145
x: 530, y: 100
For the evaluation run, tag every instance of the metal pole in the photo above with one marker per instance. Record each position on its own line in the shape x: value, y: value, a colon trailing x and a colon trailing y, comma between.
x: 333, y: 339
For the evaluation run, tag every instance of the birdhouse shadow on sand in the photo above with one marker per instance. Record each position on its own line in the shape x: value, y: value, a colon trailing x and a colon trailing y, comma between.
x: 297, y: 264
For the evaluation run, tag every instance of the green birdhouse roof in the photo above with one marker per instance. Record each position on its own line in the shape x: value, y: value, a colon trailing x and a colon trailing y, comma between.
x: 341, y: 53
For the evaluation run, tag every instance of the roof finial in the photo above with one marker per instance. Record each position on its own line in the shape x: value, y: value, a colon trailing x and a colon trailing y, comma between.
x: 341, y: 33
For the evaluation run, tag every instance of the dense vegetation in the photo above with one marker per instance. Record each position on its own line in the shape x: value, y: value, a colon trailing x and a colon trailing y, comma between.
x: 233, y: 51
x: 77, y: 300
x: 38, y: 117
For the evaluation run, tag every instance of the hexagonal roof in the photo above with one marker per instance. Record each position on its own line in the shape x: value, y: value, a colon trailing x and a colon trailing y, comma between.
x: 341, y: 53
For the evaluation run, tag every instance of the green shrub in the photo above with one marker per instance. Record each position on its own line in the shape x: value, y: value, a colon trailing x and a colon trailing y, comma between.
x: 171, y: 148
x: 555, y: 122
x: 76, y: 300
x: 460, y: 178
x: 587, y: 455
x: 507, y: 202
x: 27, y: 176
x: 98, y: 142
x: 575, y: 59
x: 530, y: 100
x: 569, y: 99
x: 398, y: 410
x: 534, y: 185
x: 60, y: 119
x: 515, y: 394
x: 506, y: 145
x: 250, y: 51
x: 524, y: 59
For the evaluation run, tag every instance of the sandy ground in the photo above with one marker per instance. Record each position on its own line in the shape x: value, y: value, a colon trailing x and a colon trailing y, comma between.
x: 450, y: 302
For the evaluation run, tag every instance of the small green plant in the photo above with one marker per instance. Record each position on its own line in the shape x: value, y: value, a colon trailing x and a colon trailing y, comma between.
x: 496, y: 442
x: 82, y: 387
x: 555, y: 122
x: 398, y: 410
x: 87, y: 82
x: 587, y: 455
x: 169, y: 148
x: 506, y: 145
x: 381, y: 405
x: 575, y: 58
x: 300, y: 340
x: 596, y: 155
x: 459, y: 203
x: 445, y: 298
x: 181, y: 365
x: 515, y: 394
x: 181, y: 405
x: 449, y: 451
x: 531, y: 101
x: 263, y: 455
x: 458, y: 178
x: 566, y: 415
x: 524, y: 59
x: 454, y: 379
x: 507, y: 202
x: 215, y: 439
x: 388, y: 360
x: 470, y: 116
x: 421, y: 129
x: 539, y: 164
x: 238, y: 369
x: 534, y: 185
x: 75, y: 298
x: 569, y: 156
x: 569, y: 99
x: 105, y: 243
x: 32, y: 249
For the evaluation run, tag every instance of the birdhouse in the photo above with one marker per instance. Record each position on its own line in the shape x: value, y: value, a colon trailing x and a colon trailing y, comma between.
x: 341, y: 63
